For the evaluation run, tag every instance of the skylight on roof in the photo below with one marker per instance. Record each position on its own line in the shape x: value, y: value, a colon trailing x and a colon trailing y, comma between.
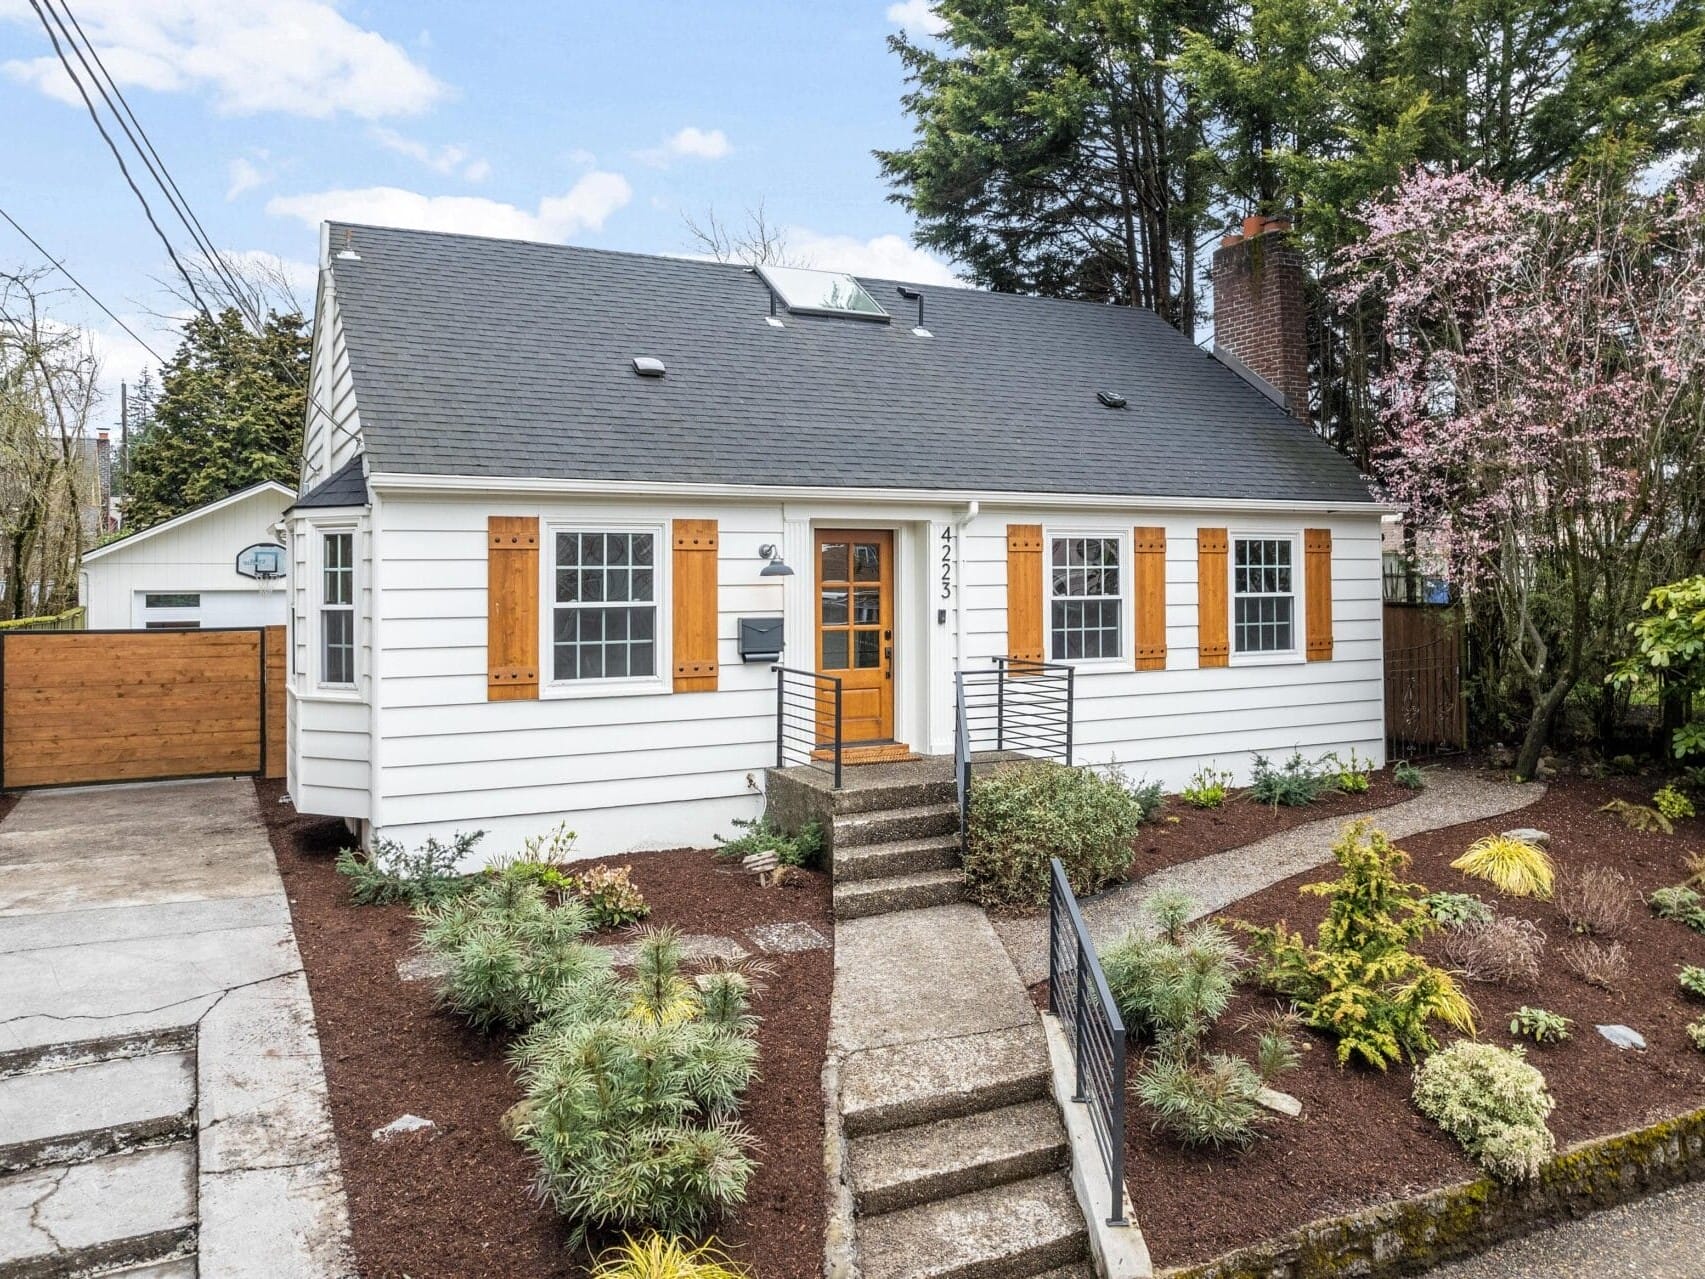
x: 821, y: 292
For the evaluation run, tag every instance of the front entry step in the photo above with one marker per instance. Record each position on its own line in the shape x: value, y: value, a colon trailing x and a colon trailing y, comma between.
x: 864, y: 862
x: 911, y: 1166
x: 898, y: 892
x: 884, y: 826
x: 1014, y: 1231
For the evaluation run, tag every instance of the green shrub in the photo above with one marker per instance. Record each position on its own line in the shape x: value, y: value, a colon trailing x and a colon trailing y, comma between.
x: 1408, y: 776
x: 1023, y: 814
x: 1360, y: 981
x: 392, y: 874
x: 803, y: 848
x: 1493, y: 1102
x: 1696, y: 1033
x: 1457, y: 910
x: 632, y: 1088
x: 1692, y: 979
x: 1539, y: 1025
x: 1673, y: 804
x: 506, y: 948
x: 1353, y: 776
x: 610, y: 895
x: 1295, y: 784
x: 1202, y: 1103
x: 1681, y: 904
x: 1208, y: 788
x: 1176, y: 985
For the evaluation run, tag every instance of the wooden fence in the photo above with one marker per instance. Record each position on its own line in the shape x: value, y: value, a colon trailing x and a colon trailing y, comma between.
x: 1425, y: 707
x: 79, y: 707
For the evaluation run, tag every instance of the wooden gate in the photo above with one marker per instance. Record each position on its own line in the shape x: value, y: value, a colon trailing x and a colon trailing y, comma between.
x: 79, y: 707
x: 1424, y: 705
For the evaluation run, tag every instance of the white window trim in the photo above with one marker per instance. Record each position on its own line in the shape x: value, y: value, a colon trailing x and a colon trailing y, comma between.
x: 662, y: 681
x: 1127, y: 597
x: 316, y: 681
x: 1297, y: 653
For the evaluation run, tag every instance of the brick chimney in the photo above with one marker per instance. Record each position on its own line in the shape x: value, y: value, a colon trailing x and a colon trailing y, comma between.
x: 1259, y: 316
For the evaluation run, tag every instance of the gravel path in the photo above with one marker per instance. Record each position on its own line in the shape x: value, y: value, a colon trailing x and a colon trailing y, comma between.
x: 1215, y: 882
x: 1658, y: 1238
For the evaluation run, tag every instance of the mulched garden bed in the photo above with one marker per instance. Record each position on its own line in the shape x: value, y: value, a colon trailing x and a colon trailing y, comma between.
x: 1201, y: 832
x: 459, y: 1203
x: 1360, y: 1140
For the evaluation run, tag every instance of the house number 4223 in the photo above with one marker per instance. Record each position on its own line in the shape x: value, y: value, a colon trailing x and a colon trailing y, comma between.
x: 947, y: 561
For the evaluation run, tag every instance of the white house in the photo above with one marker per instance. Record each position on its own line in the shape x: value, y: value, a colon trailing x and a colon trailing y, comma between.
x: 543, y: 485
x: 220, y: 564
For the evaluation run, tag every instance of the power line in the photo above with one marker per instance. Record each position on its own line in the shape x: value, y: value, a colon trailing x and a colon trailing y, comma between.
x: 122, y: 167
x: 150, y: 155
x: 81, y: 287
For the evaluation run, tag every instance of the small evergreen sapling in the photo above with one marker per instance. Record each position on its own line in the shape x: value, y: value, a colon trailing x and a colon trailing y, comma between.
x: 1360, y: 981
x: 391, y: 873
x: 1408, y: 776
x: 1295, y: 784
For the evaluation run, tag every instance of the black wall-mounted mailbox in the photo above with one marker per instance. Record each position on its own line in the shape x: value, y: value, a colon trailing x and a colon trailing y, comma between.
x: 760, y: 639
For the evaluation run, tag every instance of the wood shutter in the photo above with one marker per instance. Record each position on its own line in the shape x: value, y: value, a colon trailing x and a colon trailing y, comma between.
x: 1213, y: 642
x: 512, y: 608
x: 1024, y: 592
x: 1148, y: 553
x: 693, y: 571
x: 1317, y: 578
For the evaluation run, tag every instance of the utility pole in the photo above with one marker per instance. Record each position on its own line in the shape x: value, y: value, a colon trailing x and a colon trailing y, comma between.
x: 123, y: 447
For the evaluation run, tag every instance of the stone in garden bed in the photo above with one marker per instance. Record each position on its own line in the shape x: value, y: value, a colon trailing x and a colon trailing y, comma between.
x: 405, y: 1126
x: 1623, y: 1036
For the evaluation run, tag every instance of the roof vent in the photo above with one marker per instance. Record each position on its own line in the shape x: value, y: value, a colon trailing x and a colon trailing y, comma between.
x: 1112, y: 399
x: 648, y: 366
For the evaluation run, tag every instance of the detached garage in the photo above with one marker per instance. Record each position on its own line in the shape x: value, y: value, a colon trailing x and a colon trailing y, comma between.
x: 215, y: 566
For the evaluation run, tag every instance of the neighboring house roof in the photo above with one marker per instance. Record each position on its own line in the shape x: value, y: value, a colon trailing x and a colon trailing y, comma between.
x: 346, y: 486
x: 194, y: 513
x: 500, y: 358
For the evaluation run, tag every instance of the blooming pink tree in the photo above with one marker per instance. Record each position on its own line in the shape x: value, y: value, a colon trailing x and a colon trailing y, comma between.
x: 1541, y: 403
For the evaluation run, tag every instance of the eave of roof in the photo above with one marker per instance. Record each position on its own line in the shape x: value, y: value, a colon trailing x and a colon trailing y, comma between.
x: 185, y: 517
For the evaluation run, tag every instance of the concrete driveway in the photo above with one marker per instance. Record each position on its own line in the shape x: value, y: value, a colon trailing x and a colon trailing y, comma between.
x: 161, y: 1097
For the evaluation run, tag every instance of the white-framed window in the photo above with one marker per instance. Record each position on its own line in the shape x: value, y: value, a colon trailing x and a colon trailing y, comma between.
x: 1264, y: 570
x: 604, y: 624
x: 337, y: 607
x: 1086, y: 600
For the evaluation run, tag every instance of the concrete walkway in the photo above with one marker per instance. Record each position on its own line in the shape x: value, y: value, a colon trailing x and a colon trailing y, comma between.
x: 161, y: 1095
x: 1213, y: 883
x: 1658, y: 1238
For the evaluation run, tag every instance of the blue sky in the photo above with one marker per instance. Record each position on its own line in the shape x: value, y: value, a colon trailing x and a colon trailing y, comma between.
x: 585, y: 123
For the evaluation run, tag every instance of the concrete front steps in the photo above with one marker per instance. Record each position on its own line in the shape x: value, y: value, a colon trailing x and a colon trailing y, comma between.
x: 891, y: 833
x: 98, y: 1159
x: 957, y: 1161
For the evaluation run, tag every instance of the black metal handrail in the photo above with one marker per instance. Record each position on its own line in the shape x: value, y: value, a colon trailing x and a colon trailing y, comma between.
x: 1079, y: 996
x: 808, y: 720
x: 1017, y: 707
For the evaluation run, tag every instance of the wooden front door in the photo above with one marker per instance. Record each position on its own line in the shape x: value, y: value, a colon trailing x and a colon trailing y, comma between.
x: 855, y: 630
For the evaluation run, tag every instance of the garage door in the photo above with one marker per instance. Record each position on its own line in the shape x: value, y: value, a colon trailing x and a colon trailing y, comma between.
x: 79, y: 707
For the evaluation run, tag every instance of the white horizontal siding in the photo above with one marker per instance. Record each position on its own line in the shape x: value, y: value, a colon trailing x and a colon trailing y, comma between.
x: 629, y: 770
x: 1163, y: 725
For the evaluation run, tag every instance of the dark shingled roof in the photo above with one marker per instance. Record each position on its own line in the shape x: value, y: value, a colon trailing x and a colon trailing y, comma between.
x: 346, y: 486
x: 500, y: 358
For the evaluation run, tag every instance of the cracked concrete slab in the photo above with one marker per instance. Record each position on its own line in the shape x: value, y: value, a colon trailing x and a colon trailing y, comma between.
x: 183, y: 927
x: 62, y: 1116
x: 85, y: 1211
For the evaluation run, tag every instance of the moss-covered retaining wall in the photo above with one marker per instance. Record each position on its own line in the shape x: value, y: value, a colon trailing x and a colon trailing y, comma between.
x: 1409, y: 1235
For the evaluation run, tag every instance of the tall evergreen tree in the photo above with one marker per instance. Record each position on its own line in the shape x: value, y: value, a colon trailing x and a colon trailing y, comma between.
x: 229, y: 414
x: 1058, y: 151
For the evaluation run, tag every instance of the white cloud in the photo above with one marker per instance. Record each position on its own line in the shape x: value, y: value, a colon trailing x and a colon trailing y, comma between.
x: 691, y: 143
x: 917, y: 17
x: 448, y: 159
x: 300, y: 57
x: 584, y: 207
x: 245, y: 175
x: 581, y: 156
x: 888, y: 257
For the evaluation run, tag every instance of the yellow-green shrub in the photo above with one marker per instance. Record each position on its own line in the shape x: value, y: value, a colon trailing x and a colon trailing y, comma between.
x: 1510, y: 865
x: 666, y: 1257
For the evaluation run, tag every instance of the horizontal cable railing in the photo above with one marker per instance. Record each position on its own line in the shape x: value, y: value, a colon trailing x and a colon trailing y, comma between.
x: 808, y: 720
x: 1079, y: 996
